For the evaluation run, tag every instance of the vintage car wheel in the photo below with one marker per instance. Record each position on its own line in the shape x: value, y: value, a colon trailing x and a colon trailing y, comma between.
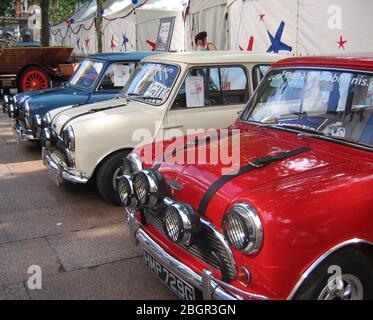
x: 106, y: 176
x: 34, y: 78
x: 356, y: 279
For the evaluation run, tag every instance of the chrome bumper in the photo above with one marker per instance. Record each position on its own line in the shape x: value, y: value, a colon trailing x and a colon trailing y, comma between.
x: 20, y: 134
x: 61, y: 170
x: 212, y: 288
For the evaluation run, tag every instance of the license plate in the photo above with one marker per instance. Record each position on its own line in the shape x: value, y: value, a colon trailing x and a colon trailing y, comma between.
x: 53, y: 175
x: 177, y: 285
x: 16, y: 136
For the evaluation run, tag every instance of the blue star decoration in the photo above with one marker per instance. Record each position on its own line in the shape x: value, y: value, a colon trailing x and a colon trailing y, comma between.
x: 276, y: 43
x: 125, y: 41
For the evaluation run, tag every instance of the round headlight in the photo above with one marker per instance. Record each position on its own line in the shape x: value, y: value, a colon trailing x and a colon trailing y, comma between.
x: 132, y: 164
x: 243, y: 229
x: 69, y: 138
x: 46, y: 138
x: 11, y: 111
x: 47, y: 120
x: 36, y: 125
x: 180, y: 223
x: 125, y: 191
x: 27, y: 109
x: 150, y: 188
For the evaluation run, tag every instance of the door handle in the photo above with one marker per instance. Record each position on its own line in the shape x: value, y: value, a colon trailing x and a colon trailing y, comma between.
x: 176, y: 126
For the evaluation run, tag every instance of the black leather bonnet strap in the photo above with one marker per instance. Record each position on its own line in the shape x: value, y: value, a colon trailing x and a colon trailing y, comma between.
x: 254, y: 164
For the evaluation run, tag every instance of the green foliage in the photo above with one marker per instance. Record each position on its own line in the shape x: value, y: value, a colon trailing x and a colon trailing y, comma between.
x: 66, y: 9
x: 6, y: 8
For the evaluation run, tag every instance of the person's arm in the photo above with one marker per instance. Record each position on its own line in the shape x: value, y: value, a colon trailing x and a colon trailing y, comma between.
x: 211, y: 47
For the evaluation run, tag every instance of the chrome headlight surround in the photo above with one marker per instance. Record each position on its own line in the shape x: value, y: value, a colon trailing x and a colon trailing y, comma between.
x: 11, y: 111
x: 243, y: 229
x: 27, y: 109
x: 46, y: 121
x: 46, y: 138
x: 36, y: 125
x: 150, y: 188
x: 181, y: 223
x: 125, y: 191
x: 69, y: 138
x: 131, y: 164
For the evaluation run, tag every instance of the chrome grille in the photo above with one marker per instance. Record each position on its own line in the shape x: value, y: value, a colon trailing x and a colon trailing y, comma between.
x: 209, y: 241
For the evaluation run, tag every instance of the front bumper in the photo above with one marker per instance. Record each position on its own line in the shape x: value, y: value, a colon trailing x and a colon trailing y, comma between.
x: 212, y: 288
x: 60, y: 169
x: 20, y: 133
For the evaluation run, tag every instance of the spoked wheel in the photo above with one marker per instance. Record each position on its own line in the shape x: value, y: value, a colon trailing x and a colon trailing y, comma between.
x: 34, y: 78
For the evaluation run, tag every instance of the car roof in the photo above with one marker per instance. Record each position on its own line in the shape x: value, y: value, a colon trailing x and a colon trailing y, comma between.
x: 357, y: 61
x: 216, y: 57
x: 123, y: 56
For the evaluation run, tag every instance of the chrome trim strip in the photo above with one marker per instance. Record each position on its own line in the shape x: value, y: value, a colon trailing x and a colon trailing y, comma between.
x: 63, y: 172
x: 306, y: 274
x: 221, y: 237
x: 212, y: 288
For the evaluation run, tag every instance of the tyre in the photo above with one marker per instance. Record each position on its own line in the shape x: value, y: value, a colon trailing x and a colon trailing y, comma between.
x: 355, y: 281
x: 106, y: 176
x: 34, y: 78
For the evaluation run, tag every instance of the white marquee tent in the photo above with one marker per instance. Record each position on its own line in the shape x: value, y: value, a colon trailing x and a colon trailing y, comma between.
x: 296, y: 27
x: 301, y: 27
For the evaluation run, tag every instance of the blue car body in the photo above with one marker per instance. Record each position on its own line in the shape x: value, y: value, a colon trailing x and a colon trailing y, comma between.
x: 40, y: 102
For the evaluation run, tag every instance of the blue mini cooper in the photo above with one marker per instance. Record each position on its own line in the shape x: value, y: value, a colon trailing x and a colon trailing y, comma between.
x: 99, y: 77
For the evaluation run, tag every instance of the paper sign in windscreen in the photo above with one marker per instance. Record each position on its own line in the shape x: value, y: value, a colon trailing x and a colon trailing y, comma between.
x: 121, y: 75
x: 195, y: 91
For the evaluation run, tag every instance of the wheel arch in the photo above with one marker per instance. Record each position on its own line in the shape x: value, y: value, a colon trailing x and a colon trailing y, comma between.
x: 99, y: 164
x: 361, y: 245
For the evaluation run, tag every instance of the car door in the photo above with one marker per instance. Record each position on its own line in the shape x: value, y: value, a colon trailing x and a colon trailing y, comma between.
x: 112, y: 82
x: 209, y: 98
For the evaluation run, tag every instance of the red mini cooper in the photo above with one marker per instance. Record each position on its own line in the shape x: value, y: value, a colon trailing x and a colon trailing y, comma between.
x: 294, y: 218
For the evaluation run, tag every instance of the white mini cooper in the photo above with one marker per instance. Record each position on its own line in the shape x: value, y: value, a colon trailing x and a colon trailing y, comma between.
x: 167, y: 94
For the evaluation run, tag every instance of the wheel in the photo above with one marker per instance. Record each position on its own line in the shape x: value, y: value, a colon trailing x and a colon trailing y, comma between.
x: 34, y: 78
x: 107, y: 175
x: 355, y: 281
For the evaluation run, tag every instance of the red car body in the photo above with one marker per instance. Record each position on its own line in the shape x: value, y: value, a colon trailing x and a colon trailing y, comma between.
x: 310, y: 204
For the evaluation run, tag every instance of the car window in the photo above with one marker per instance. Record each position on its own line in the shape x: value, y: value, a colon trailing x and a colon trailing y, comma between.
x: 87, y: 74
x: 116, y: 76
x: 259, y: 71
x: 215, y: 86
x: 336, y: 104
x: 152, y: 83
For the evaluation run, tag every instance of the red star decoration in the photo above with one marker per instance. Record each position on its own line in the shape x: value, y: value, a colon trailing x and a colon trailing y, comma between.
x: 112, y: 44
x: 152, y: 44
x: 341, y: 43
x: 261, y: 16
x: 250, y: 45
x: 87, y: 42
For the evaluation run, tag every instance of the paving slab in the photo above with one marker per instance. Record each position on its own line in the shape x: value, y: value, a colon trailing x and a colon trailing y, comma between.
x: 16, y: 258
x: 15, y: 291
x: 121, y: 280
x: 93, y: 247
x: 24, y: 198
x: 43, y: 222
x: 3, y: 236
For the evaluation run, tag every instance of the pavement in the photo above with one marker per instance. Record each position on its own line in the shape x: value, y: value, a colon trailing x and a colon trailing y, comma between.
x: 80, y: 243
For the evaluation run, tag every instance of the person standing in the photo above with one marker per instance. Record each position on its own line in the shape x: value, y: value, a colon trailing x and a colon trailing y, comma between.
x: 202, y: 43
